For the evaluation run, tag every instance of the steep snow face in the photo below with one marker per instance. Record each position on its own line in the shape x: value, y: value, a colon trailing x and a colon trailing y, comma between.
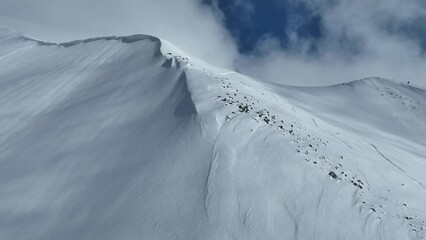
x: 130, y: 138
x: 98, y: 141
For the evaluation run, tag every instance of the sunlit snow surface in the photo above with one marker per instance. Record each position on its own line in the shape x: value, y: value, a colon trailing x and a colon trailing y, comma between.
x: 130, y: 138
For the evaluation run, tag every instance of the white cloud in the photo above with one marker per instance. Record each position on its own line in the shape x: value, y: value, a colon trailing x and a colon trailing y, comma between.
x: 187, y: 23
x: 369, y: 49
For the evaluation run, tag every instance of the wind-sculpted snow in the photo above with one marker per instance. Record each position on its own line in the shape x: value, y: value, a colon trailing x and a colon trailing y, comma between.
x: 130, y: 138
x: 124, y: 39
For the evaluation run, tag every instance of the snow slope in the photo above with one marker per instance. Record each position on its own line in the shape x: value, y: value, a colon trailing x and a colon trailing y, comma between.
x: 130, y: 138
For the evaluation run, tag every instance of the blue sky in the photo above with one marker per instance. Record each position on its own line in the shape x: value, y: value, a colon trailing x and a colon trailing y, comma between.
x: 250, y: 21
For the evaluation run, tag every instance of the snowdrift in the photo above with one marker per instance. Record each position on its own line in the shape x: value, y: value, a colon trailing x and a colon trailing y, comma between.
x: 131, y: 138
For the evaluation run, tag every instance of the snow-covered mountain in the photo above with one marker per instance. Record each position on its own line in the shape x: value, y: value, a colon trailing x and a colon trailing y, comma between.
x: 131, y: 138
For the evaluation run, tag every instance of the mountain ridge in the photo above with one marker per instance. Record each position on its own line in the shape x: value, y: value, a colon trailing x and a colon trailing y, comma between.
x: 106, y: 140
x: 140, y: 37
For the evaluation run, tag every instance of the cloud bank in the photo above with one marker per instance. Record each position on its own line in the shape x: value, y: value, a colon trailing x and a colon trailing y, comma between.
x: 360, y: 39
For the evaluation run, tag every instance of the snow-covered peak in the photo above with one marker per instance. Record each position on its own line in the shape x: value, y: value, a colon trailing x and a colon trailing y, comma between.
x: 376, y: 82
x: 130, y: 137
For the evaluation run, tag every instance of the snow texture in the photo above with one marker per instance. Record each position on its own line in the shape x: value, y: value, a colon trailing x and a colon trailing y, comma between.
x: 131, y: 138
